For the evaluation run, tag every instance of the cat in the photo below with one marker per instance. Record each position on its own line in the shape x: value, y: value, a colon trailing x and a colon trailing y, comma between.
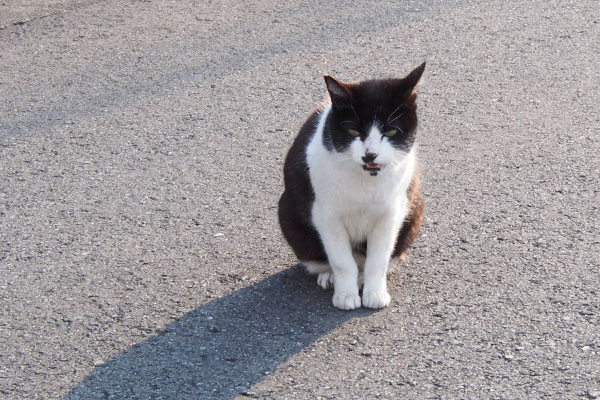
x: 352, y: 202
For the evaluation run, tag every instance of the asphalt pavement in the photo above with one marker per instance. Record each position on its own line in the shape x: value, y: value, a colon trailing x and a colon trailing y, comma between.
x: 141, y: 151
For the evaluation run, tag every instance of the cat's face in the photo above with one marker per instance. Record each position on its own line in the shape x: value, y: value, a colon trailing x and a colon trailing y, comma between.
x: 373, y: 122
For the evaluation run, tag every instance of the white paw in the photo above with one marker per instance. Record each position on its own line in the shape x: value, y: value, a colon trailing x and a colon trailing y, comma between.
x: 325, y: 280
x: 346, y: 301
x: 376, y: 299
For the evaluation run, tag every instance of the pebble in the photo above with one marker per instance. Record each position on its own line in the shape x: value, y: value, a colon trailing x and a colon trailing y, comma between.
x: 593, y: 394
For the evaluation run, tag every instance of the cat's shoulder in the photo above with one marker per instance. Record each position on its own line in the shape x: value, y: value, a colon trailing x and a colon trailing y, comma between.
x: 312, y: 124
x: 297, y: 153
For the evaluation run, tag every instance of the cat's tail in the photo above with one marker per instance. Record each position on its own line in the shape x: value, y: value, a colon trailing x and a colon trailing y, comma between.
x: 316, y: 267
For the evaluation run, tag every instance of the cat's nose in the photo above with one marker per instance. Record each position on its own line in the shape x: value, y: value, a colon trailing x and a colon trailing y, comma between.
x: 369, y: 158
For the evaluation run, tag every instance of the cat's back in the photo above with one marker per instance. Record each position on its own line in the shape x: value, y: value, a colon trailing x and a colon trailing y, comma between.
x: 297, y: 199
x: 295, y: 168
x: 298, y: 196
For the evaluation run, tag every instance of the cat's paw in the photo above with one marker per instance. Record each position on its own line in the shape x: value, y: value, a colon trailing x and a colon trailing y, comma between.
x: 346, y: 301
x: 376, y: 299
x: 325, y: 280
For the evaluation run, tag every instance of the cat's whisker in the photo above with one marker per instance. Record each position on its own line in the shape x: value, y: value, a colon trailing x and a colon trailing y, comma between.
x: 392, y: 118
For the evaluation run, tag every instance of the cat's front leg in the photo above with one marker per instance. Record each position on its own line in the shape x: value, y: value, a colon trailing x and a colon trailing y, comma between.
x: 345, y: 272
x: 339, y: 253
x: 380, y: 246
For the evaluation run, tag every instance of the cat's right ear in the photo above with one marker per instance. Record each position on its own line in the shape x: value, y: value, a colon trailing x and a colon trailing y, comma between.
x: 339, y: 92
x: 414, y: 80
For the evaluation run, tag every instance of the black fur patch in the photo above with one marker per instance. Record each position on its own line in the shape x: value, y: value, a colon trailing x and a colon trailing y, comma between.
x: 389, y: 103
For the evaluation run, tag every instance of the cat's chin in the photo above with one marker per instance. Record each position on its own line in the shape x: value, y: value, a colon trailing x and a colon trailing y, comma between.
x: 373, y: 168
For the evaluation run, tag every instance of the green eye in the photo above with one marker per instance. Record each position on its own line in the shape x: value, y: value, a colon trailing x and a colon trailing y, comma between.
x: 353, y: 132
x: 391, y: 132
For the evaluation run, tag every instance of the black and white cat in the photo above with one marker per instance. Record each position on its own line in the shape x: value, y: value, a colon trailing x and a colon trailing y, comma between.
x: 352, y: 202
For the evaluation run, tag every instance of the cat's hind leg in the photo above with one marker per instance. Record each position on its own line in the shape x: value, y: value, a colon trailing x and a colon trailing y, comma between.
x: 325, y: 276
x: 325, y: 280
x: 394, y: 261
x: 360, y: 259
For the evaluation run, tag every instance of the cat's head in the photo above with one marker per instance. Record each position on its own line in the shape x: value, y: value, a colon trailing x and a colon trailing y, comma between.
x: 373, y: 121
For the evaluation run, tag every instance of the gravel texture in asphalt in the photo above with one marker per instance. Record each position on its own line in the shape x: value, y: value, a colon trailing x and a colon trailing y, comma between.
x: 141, y: 150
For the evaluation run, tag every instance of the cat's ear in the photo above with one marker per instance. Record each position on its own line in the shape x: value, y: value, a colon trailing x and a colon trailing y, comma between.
x: 413, y: 80
x: 339, y: 92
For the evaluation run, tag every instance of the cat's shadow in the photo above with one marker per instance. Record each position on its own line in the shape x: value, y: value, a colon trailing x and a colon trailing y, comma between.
x: 224, y: 347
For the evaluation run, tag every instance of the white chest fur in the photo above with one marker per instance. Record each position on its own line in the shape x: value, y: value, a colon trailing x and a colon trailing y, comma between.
x: 347, y: 194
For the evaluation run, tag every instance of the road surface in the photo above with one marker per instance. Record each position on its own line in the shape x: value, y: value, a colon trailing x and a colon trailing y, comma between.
x: 141, y: 149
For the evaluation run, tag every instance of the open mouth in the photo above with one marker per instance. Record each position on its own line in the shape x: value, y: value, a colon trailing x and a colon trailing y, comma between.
x: 372, y: 168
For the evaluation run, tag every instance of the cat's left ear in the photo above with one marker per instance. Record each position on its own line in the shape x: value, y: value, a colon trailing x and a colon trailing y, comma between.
x: 413, y: 80
x: 339, y: 92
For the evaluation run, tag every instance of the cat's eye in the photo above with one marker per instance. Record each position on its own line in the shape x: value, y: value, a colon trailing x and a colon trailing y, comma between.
x: 353, y: 132
x: 391, y: 132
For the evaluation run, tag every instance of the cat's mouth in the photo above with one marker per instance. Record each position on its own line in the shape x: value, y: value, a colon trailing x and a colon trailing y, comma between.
x: 372, y: 168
